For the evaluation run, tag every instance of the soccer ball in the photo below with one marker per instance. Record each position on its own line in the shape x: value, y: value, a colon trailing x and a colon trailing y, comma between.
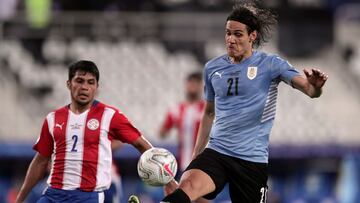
x: 157, y: 166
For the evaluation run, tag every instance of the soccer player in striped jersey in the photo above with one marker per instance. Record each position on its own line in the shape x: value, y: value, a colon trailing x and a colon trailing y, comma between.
x: 77, y: 140
x: 185, y: 118
x: 240, y: 92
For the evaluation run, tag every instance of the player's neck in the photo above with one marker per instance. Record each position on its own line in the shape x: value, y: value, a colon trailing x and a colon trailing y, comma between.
x: 239, y: 59
x: 78, y: 108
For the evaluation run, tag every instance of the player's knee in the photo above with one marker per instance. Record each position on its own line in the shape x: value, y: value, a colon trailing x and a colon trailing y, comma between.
x: 189, y: 186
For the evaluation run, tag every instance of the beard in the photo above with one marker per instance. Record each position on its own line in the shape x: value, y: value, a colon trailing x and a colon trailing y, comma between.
x: 82, y: 102
x: 192, y: 96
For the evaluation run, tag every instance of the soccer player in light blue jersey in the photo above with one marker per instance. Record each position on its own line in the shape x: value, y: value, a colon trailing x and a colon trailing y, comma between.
x: 240, y: 92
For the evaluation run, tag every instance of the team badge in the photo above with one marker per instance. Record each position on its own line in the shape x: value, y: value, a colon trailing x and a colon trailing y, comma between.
x: 93, y: 124
x: 252, y: 72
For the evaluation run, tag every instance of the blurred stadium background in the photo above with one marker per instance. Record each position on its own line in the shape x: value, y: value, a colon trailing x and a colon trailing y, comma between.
x: 145, y: 48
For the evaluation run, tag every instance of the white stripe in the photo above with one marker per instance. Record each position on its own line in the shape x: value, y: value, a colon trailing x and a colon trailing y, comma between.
x: 273, y: 85
x: 51, y: 122
x: 74, y: 159
x: 268, y: 116
x: 271, y: 98
x: 189, y: 121
x: 268, y: 112
x: 273, y: 93
x: 270, y: 105
x: 103, y: 176
x: 270, y: 102
x: 101, y: 197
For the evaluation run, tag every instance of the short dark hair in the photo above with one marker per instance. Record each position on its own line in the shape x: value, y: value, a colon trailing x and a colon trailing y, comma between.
x: 85, y: 66
x: 194, y: 76
x: 255, y: 18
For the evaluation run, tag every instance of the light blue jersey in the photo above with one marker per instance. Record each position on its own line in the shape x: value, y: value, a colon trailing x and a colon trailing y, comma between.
x: 245, y: 103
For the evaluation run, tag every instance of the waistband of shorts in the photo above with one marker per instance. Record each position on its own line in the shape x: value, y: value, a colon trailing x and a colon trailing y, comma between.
x: 72, y: 191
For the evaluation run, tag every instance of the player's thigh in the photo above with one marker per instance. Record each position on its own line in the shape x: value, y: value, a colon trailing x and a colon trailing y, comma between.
x: 209, y: 171
x: 196, y: 183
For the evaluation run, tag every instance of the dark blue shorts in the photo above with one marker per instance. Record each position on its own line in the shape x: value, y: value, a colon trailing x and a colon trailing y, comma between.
x: 247, y: 180
x: 52, y: 195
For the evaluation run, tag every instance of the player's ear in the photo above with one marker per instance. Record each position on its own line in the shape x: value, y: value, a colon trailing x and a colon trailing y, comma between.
x: 253, y: 36
x: 68, y: 84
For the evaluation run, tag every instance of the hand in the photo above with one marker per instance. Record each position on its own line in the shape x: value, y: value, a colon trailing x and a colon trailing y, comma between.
x: 170, y: 187
x: 315, y: 77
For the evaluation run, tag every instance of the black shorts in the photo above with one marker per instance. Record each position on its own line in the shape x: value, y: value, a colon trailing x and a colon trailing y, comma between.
x: 247, y: 180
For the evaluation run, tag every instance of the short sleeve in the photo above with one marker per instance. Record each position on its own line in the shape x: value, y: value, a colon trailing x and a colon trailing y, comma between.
x: 169, y: 121
x: 282, y: 69
x: 45, y: 143
x: 121, y: 129
x: 208, y: 88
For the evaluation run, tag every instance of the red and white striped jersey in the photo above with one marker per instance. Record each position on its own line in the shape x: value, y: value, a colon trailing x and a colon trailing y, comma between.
x: 185, y: 117
x: 80, y: 145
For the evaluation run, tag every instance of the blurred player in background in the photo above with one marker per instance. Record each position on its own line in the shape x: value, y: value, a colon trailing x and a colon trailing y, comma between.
x: 240, y: 93
x: 77, y: 139
x: 185, y: 118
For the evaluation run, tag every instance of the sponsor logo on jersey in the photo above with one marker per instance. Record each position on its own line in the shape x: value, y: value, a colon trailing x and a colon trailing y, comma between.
x: 75, y: 126
x: 93, y: 124
x: 219, y: 74
x: 59, y: 125
x: 252, y: 72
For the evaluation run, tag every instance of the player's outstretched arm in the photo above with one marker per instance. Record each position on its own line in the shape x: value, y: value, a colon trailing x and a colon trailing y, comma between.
x: 142, y: 144
x: 35, y: 172
x: 312, y: 84
x: 205, y: 127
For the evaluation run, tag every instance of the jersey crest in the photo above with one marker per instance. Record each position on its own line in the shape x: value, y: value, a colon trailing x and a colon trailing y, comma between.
x: 252, y: 72
x: 93, y: 124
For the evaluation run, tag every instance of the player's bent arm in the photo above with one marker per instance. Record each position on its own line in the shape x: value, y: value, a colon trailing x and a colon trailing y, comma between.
x: 304, y: 86
x: 312, y: 84
x: 142, y: 144
x: 116, y: 144
x: 35, y: 172
x: 205, y: 127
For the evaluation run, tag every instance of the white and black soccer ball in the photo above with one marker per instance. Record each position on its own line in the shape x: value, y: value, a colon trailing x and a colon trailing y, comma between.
x: 157, y: 166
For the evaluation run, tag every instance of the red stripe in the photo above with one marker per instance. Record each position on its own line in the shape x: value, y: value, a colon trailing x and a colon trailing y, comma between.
x: 91, y: 150
x: 57, y: 176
